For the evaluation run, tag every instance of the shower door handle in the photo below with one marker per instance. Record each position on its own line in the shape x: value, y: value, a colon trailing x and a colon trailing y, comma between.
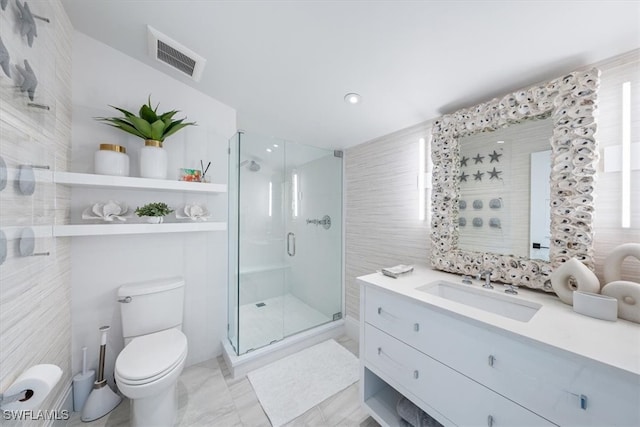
x: 291, y: 244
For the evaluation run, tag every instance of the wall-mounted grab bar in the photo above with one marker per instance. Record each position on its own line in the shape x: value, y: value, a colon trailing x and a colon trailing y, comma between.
x: 325, y: 222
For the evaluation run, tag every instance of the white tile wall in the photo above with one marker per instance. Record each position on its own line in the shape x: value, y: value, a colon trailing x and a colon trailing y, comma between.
x: 382, y: 226
x: 35, y: 315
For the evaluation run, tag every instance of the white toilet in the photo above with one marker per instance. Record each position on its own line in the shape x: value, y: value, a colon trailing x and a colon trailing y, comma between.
x: 148, y: 367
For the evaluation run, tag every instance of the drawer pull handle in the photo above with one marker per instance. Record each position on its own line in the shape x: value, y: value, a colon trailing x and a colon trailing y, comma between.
x: 583, y: 402
x: 491, y: 360
x: 396, y: 363
x: 490, y: 421
x: 416, y: 327
x: 380, y: 312
x: 416, y: 374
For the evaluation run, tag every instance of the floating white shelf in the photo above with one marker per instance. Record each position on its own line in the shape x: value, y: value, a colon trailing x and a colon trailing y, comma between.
x: 113, y: 229
x: 126, y: 182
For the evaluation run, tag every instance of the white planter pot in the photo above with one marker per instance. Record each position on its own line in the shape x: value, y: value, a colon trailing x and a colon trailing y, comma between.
x: 154, y: 219
x: 153, y: 160
x: 111, y: 159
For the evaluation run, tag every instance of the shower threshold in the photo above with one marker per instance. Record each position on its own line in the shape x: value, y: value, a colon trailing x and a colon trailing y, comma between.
x: 239, y: 366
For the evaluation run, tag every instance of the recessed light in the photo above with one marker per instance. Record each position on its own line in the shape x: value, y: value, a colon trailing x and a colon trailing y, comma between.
x: 269, y: 150
x: 499, y: 142
x: 352, y: 98
x: 275, y: 145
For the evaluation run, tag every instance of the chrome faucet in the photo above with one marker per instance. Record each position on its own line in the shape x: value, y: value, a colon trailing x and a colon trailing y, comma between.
x: 487, y: 277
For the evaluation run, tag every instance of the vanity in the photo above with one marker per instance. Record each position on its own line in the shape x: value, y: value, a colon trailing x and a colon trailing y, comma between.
x: 472, y: 356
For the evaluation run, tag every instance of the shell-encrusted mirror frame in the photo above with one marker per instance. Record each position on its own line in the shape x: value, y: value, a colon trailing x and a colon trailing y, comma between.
x: 571, y: 102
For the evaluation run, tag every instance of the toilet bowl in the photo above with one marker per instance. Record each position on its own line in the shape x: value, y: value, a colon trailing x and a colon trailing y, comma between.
x: 147, y: 372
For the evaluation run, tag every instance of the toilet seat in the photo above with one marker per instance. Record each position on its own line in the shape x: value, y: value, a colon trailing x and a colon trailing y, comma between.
x: 150, y: 357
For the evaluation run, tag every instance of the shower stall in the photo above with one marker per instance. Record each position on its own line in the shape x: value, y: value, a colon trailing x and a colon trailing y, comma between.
x: 285, y: 240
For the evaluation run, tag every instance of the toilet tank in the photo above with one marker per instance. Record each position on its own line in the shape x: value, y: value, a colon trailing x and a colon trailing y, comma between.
x: 153, y: 306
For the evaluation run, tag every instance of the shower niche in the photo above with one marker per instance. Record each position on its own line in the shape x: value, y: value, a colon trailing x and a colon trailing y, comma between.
x: 285, y: 265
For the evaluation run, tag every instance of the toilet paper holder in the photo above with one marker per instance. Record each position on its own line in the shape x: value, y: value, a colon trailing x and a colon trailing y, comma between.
x: 23, y: 396
x: 30, y: 388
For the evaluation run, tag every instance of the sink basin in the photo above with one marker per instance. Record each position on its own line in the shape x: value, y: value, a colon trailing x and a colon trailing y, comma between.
x: 491, y: 301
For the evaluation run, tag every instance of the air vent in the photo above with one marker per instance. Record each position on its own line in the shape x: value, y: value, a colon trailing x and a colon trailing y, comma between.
x: 174, y: 54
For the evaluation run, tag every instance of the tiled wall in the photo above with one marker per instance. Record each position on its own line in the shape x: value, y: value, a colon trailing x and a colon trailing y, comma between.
x: 381, y: 195
x: 608, y: 233
x: 35, y: 322
x: 382, y: 226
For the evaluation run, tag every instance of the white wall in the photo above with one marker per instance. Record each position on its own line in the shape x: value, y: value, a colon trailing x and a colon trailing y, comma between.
x: 102, y: 77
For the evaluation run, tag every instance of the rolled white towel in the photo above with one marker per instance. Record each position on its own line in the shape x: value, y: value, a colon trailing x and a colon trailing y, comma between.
x: 413, y: 415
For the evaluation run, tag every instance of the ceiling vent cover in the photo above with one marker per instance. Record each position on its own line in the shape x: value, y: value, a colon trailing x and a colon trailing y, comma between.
x: 174, y: 54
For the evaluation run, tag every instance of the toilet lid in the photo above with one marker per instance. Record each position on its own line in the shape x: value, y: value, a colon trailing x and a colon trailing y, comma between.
x: 151, y: 355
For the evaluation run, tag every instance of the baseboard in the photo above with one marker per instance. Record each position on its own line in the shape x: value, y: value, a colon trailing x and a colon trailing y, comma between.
x: 352, y: 328
x: 63, y: 403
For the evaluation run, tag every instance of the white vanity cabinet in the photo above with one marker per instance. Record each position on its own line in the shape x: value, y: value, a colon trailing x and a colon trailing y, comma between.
x: 464, y: 372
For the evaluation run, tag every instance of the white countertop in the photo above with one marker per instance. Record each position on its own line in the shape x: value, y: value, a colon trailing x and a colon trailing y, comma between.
x: 556, y: 324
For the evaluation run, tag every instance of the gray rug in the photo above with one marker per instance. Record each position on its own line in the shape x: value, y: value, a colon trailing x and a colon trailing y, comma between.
x: 291, y: 386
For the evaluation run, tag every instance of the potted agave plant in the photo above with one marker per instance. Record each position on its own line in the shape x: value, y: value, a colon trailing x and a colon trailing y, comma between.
x: 154, y: 128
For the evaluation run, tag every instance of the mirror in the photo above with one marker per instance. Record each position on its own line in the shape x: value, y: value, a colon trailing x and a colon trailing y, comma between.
x: 495, y: 189
x: 569, y: 103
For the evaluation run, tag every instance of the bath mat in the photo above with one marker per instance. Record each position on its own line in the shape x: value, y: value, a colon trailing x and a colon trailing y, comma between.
x: 291, y: 386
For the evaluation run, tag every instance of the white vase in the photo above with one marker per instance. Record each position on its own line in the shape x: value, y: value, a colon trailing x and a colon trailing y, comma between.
x: 111, y: 159
x: 155, y: 219
x: 153, y: 160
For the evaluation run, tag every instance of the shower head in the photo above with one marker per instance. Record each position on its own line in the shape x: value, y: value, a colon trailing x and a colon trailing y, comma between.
x: 252, y: 165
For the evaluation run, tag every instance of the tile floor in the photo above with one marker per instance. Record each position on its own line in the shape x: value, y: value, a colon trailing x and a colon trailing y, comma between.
x: 209, y: 397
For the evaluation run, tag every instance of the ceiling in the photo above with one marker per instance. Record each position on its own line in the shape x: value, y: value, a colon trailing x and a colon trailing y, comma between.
x: 285, y: 66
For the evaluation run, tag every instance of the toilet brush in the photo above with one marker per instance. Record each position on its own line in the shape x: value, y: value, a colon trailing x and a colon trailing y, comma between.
x: 102, y: 399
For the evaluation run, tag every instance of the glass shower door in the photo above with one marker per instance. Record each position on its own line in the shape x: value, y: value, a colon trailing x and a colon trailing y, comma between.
x: 313, y: 291
x: 285, y: 239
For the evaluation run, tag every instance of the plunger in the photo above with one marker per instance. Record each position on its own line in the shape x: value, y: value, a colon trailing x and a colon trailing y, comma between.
x: 102, y: 399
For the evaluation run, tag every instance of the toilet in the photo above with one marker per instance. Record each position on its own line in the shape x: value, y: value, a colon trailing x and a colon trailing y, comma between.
x: 148, y: 367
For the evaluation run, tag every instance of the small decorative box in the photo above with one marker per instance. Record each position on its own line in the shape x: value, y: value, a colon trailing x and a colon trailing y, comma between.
x: 595, y: 305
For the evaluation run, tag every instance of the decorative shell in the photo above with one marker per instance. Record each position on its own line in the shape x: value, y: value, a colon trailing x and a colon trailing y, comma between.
x: 107, y: 211
x: 193, y: 212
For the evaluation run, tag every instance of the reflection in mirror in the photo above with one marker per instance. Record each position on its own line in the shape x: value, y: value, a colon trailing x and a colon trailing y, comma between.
x: 540, y: 205
x: 495, y: 178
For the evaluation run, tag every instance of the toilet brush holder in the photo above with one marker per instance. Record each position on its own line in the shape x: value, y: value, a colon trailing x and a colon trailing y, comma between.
x: 82, y: 384
x: 102, y: 399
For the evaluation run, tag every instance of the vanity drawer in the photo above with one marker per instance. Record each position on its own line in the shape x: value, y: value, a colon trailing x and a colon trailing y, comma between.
x: 566, y: 390
x: 451, y: 341
x: 461, y: 400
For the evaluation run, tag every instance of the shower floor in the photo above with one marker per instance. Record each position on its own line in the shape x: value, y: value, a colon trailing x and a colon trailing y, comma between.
x: 279, y: 317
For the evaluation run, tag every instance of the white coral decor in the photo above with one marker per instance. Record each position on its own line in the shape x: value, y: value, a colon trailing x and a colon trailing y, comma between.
x: 193, y: 212
x: 107, y: 211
